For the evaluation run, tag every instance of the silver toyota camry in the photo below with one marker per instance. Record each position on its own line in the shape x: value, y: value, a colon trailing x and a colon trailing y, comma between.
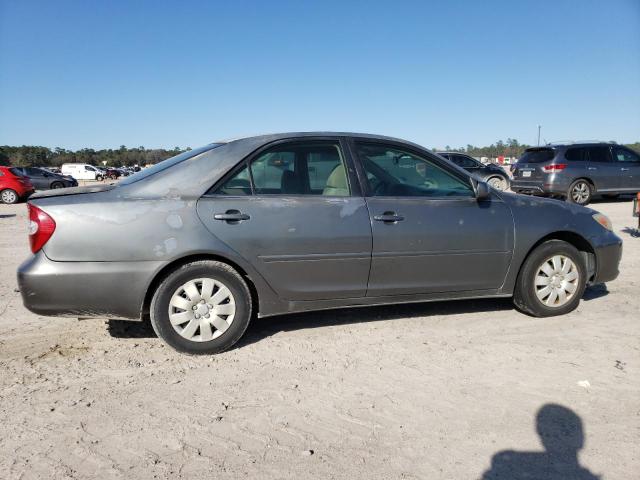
x: 205, y: 241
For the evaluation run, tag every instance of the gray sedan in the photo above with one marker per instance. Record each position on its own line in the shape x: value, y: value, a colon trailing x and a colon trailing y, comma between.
x: 203, y: 242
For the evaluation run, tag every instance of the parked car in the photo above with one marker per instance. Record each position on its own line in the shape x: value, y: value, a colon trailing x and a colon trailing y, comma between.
x: 13, y: 185
x: 44, y: 180
x: 287, y: 223
x: 577, y: 171
x: 82, y: 171
x: 493, y: 174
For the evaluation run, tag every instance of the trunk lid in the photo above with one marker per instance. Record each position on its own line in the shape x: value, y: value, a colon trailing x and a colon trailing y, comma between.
x: 61, y: 192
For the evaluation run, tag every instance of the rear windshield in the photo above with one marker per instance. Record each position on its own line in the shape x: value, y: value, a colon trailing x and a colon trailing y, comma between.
x: 16, y: 172
x: 169, y: 162
x: 537, y: 155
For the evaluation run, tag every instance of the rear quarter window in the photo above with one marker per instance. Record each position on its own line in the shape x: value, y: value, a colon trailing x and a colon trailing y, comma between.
x: 577, y: 154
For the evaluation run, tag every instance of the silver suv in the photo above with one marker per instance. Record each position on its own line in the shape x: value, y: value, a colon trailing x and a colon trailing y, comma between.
x: 577, y: 171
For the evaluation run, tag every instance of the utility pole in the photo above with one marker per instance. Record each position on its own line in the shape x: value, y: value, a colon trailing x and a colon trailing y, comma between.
x: 539, y: 127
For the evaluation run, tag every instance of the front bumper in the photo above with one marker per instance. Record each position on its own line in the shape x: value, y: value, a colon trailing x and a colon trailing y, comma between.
x: 85, y: 289
x: 608, y: 253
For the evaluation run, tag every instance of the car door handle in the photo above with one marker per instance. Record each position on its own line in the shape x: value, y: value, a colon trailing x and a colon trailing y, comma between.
x: 231, y: 216
x: 388, y: 217
x: 624, y: 169
x: 592, y: 168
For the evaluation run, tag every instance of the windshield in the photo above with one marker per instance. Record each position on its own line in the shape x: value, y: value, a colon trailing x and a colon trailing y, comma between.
x: 169, y: 162
x: 537, y: 155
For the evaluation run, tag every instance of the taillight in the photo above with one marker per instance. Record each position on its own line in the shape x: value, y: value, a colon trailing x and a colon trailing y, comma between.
x: 554, y: 168
x: 41, y: 227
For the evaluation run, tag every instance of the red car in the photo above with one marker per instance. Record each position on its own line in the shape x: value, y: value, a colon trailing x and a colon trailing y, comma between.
x: 13, y: 185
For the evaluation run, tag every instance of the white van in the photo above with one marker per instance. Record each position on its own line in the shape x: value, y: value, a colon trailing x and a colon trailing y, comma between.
x: 82, y: 171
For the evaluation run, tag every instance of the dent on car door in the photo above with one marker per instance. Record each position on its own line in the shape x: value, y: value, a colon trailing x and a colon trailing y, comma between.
x: 291, y: 214
x: 430, y: 234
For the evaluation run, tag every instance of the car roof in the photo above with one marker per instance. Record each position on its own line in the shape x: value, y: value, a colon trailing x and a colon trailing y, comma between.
x: 270, y: 137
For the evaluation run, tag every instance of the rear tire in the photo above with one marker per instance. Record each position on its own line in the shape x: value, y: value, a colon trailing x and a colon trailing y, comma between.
x: 565, y: 288
x: 580, y: 192
x: 202, y: 307
x: 9, y: 196
x: 499, y: 183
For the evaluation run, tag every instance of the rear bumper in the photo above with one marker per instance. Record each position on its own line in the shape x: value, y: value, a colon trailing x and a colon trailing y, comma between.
x: 546, y: 186
x: 85, y: 289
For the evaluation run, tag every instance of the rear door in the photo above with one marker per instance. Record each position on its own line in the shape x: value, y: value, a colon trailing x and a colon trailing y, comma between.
x: 430, y: 234
x: 294, y: 211
x: 629, y: 164
x: 602, y: 170
x: 37, y: 177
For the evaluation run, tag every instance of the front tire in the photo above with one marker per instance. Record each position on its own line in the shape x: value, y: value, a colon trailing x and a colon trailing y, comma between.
x: 9, y: 196
x: 99, y: 178
x: 57, y: 185
x: 202, y: 307
x: 551, y: 281
x: 580, y: 192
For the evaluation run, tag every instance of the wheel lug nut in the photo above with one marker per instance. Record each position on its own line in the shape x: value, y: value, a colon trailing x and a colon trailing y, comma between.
x: 207, y: 316
x: 194, y: 307
x: 197, y: 316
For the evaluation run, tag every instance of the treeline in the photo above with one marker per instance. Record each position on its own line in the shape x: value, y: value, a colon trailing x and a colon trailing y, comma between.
x: 510, y: 148
x: 28, y: 156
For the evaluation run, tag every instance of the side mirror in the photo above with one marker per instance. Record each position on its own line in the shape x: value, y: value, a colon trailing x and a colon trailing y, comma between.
x: 481, y: 189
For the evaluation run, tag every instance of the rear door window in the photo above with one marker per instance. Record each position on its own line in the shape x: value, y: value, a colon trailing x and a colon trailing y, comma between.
x: 576, y: 154
x: 599, y: 154
x: 313, y: 168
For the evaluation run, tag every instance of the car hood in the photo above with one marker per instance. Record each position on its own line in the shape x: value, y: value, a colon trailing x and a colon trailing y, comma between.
x: 516, y: 200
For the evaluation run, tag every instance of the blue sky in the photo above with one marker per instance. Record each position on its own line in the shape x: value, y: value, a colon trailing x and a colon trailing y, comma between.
x: 164, y: 74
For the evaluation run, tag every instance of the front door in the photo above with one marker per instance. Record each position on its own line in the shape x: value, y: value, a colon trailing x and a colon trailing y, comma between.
x: 430, y: 234
x: 628, y: 162
x: 292, y: 215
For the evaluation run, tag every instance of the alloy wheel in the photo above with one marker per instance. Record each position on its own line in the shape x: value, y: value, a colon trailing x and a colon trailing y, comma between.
x: 9, y: 196
x: 201, y: 310
x: 498, y: 183
x: 556, y: 281
x: 580, y: 192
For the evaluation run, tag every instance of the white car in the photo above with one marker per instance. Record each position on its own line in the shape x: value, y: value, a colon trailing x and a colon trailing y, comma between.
x: 82, y: 171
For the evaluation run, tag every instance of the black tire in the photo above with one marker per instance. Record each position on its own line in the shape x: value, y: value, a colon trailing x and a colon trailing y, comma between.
x: 525, y: 297
x: 159, y: 311
x: 56, y: 185
x: 580, y: 192
x: 9, y: 196
x: 502, y: 185
x: 99, y: 178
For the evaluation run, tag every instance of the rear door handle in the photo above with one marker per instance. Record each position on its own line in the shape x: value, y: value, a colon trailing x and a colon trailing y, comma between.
x: 591, y: 168
x: 231, y: 216
x: 388, y: 217
x: 624, y: 169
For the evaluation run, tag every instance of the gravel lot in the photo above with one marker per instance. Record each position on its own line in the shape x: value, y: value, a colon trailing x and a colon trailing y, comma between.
x: 422, y: 391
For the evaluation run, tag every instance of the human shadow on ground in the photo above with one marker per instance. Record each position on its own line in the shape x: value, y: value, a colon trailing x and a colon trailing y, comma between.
x: 634, y: 232
x: 560, y: 430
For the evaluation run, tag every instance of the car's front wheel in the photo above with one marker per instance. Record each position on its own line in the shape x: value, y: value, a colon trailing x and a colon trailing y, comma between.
x: 551, y: 280
x: 202, y: 307
x: 9, y: 196
x: 580, y: 192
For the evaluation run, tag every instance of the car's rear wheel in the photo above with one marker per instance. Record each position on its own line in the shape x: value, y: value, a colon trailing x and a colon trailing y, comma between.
x: 202, y: 307
x: 499, y: 183
x: 9, y: 196
x: 551, y: 280
x: 56, y: 185
x: 580, y: 192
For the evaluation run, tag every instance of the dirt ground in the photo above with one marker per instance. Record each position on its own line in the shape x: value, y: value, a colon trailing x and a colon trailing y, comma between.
x: 424, y: 391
